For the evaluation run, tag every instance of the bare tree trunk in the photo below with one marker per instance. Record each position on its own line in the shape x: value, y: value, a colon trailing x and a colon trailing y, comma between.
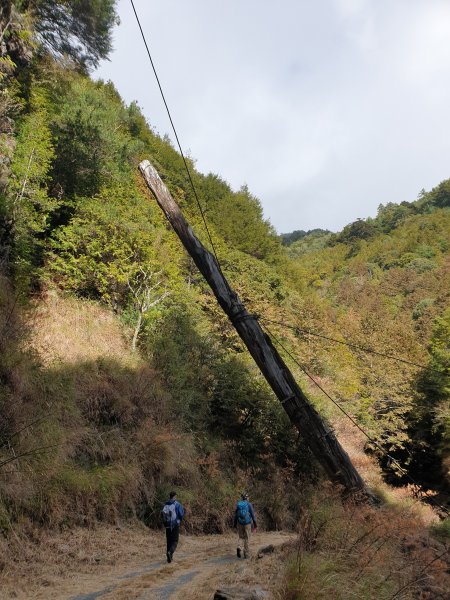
x: 136, y: 332
x: 318, y: 435
x: 142, y: 289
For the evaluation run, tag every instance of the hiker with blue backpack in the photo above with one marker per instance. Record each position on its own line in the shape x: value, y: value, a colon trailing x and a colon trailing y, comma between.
x: 244, y: 517
x: 172, y: 515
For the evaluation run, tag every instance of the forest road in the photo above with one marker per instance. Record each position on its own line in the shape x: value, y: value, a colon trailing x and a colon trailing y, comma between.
x: 201, y: 565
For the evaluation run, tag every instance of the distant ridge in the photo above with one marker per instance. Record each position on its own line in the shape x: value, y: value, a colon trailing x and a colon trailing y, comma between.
x: 289, y: 238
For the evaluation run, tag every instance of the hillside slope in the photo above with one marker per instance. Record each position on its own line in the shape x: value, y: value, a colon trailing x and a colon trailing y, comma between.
x: 385, y: 287
x: 106, y: 405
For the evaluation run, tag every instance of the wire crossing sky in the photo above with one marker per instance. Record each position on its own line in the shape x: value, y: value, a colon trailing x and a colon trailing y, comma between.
x: 325, y: 109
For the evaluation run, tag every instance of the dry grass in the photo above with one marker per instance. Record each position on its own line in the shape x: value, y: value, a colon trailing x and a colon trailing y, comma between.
x: 104, y: 415
x: 349, y: 550
x: 353, y: 442
x: 73, y: 560
x: 353, y: 551
x: 69, y: 330
x: 54, y: 566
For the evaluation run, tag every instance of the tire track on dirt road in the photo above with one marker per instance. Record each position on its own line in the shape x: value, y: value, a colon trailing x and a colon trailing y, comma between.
x: 202, y: 565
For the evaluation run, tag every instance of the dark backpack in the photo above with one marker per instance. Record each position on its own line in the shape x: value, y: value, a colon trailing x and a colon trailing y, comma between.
x: 169, y: 515
x: 243, y: 513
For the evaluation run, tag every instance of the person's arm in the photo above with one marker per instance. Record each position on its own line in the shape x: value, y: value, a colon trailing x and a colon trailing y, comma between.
x: 252, y: 514
x: 180, y: 511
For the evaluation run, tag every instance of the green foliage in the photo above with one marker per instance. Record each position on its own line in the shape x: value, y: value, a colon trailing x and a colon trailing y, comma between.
x: 429, y: 420
x: 79, y: 29
x: 358, y: 230
x: 311, y: 241
x: 382, y: 292
x: 392, y: 215
x: 27, y: 206
x: 287, y: 239
x: 239, y: 218
x: 438, y: 197
x: 108, y: 238
x: 216, y: 392
x: 92, y: 141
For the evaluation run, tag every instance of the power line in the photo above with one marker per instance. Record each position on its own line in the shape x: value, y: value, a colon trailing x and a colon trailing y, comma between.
x: 350, y: 344
x: 175, y: 133
x: 374, y: 442
x: 268, y: 320
x: 318, y: 385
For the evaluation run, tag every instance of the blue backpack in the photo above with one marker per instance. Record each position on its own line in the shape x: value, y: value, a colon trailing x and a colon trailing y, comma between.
x: 243, y: 513
x: 169, y: 515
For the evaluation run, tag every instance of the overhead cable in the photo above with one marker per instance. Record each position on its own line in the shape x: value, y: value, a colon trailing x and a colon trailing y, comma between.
x: 350, y: 344
x: 188, y: 171
x: 373, y: 441
x: 268, y: 320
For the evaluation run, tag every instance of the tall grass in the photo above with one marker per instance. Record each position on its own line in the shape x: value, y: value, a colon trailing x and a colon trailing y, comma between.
x: 350, y: 551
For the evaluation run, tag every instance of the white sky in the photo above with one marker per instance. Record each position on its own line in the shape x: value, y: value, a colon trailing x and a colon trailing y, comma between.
x: 325, y: 108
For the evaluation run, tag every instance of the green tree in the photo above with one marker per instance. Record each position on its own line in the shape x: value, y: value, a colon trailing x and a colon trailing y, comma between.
x: 440, y: 195
x: 358, y: 230
x: 27, y: 205
x: 106, y: 242
x: 79, y: 29
x: 92, y: 141
x: 287, y: 239
x: 239, y: 219
x: 430, y: 419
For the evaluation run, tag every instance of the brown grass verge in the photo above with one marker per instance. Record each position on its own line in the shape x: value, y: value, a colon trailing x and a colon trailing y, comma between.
x: 72, y: 330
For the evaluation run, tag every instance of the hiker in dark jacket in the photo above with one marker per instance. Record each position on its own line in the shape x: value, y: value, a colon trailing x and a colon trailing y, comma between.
x: 244, y: 517
x: 172, y: 515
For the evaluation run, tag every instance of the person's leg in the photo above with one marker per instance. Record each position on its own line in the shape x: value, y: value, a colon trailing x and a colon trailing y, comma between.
x: 168, y: 541
x: 247, y: 533
x: 174, y: 537
x: 241, y: 533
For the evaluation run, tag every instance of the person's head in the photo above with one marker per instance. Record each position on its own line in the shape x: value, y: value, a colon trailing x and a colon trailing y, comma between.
x: 244, y: 496
x: 172, y: 495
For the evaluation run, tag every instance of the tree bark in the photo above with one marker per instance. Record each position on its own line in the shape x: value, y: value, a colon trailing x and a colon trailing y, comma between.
x: 318, y: 435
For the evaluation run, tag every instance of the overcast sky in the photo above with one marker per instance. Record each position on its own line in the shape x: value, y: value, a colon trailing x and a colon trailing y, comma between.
x: 324, y: 108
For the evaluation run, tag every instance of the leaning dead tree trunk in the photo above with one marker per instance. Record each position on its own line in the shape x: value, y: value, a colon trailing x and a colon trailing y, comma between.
x: 318, y: 435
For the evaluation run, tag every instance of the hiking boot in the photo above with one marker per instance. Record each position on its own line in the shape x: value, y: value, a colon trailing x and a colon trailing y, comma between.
x: 169, y: 557
x: 246, y: 555
x: 238, y: 553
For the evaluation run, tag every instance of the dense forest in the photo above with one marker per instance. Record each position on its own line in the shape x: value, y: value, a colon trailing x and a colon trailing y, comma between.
x: 105, y: 437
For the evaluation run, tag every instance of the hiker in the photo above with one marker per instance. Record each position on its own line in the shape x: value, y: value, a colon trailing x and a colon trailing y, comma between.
x: 172, y: 515
x: 244, y: 516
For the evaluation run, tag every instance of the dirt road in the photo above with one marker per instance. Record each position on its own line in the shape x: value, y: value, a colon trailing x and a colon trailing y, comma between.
x: 201, y: 565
